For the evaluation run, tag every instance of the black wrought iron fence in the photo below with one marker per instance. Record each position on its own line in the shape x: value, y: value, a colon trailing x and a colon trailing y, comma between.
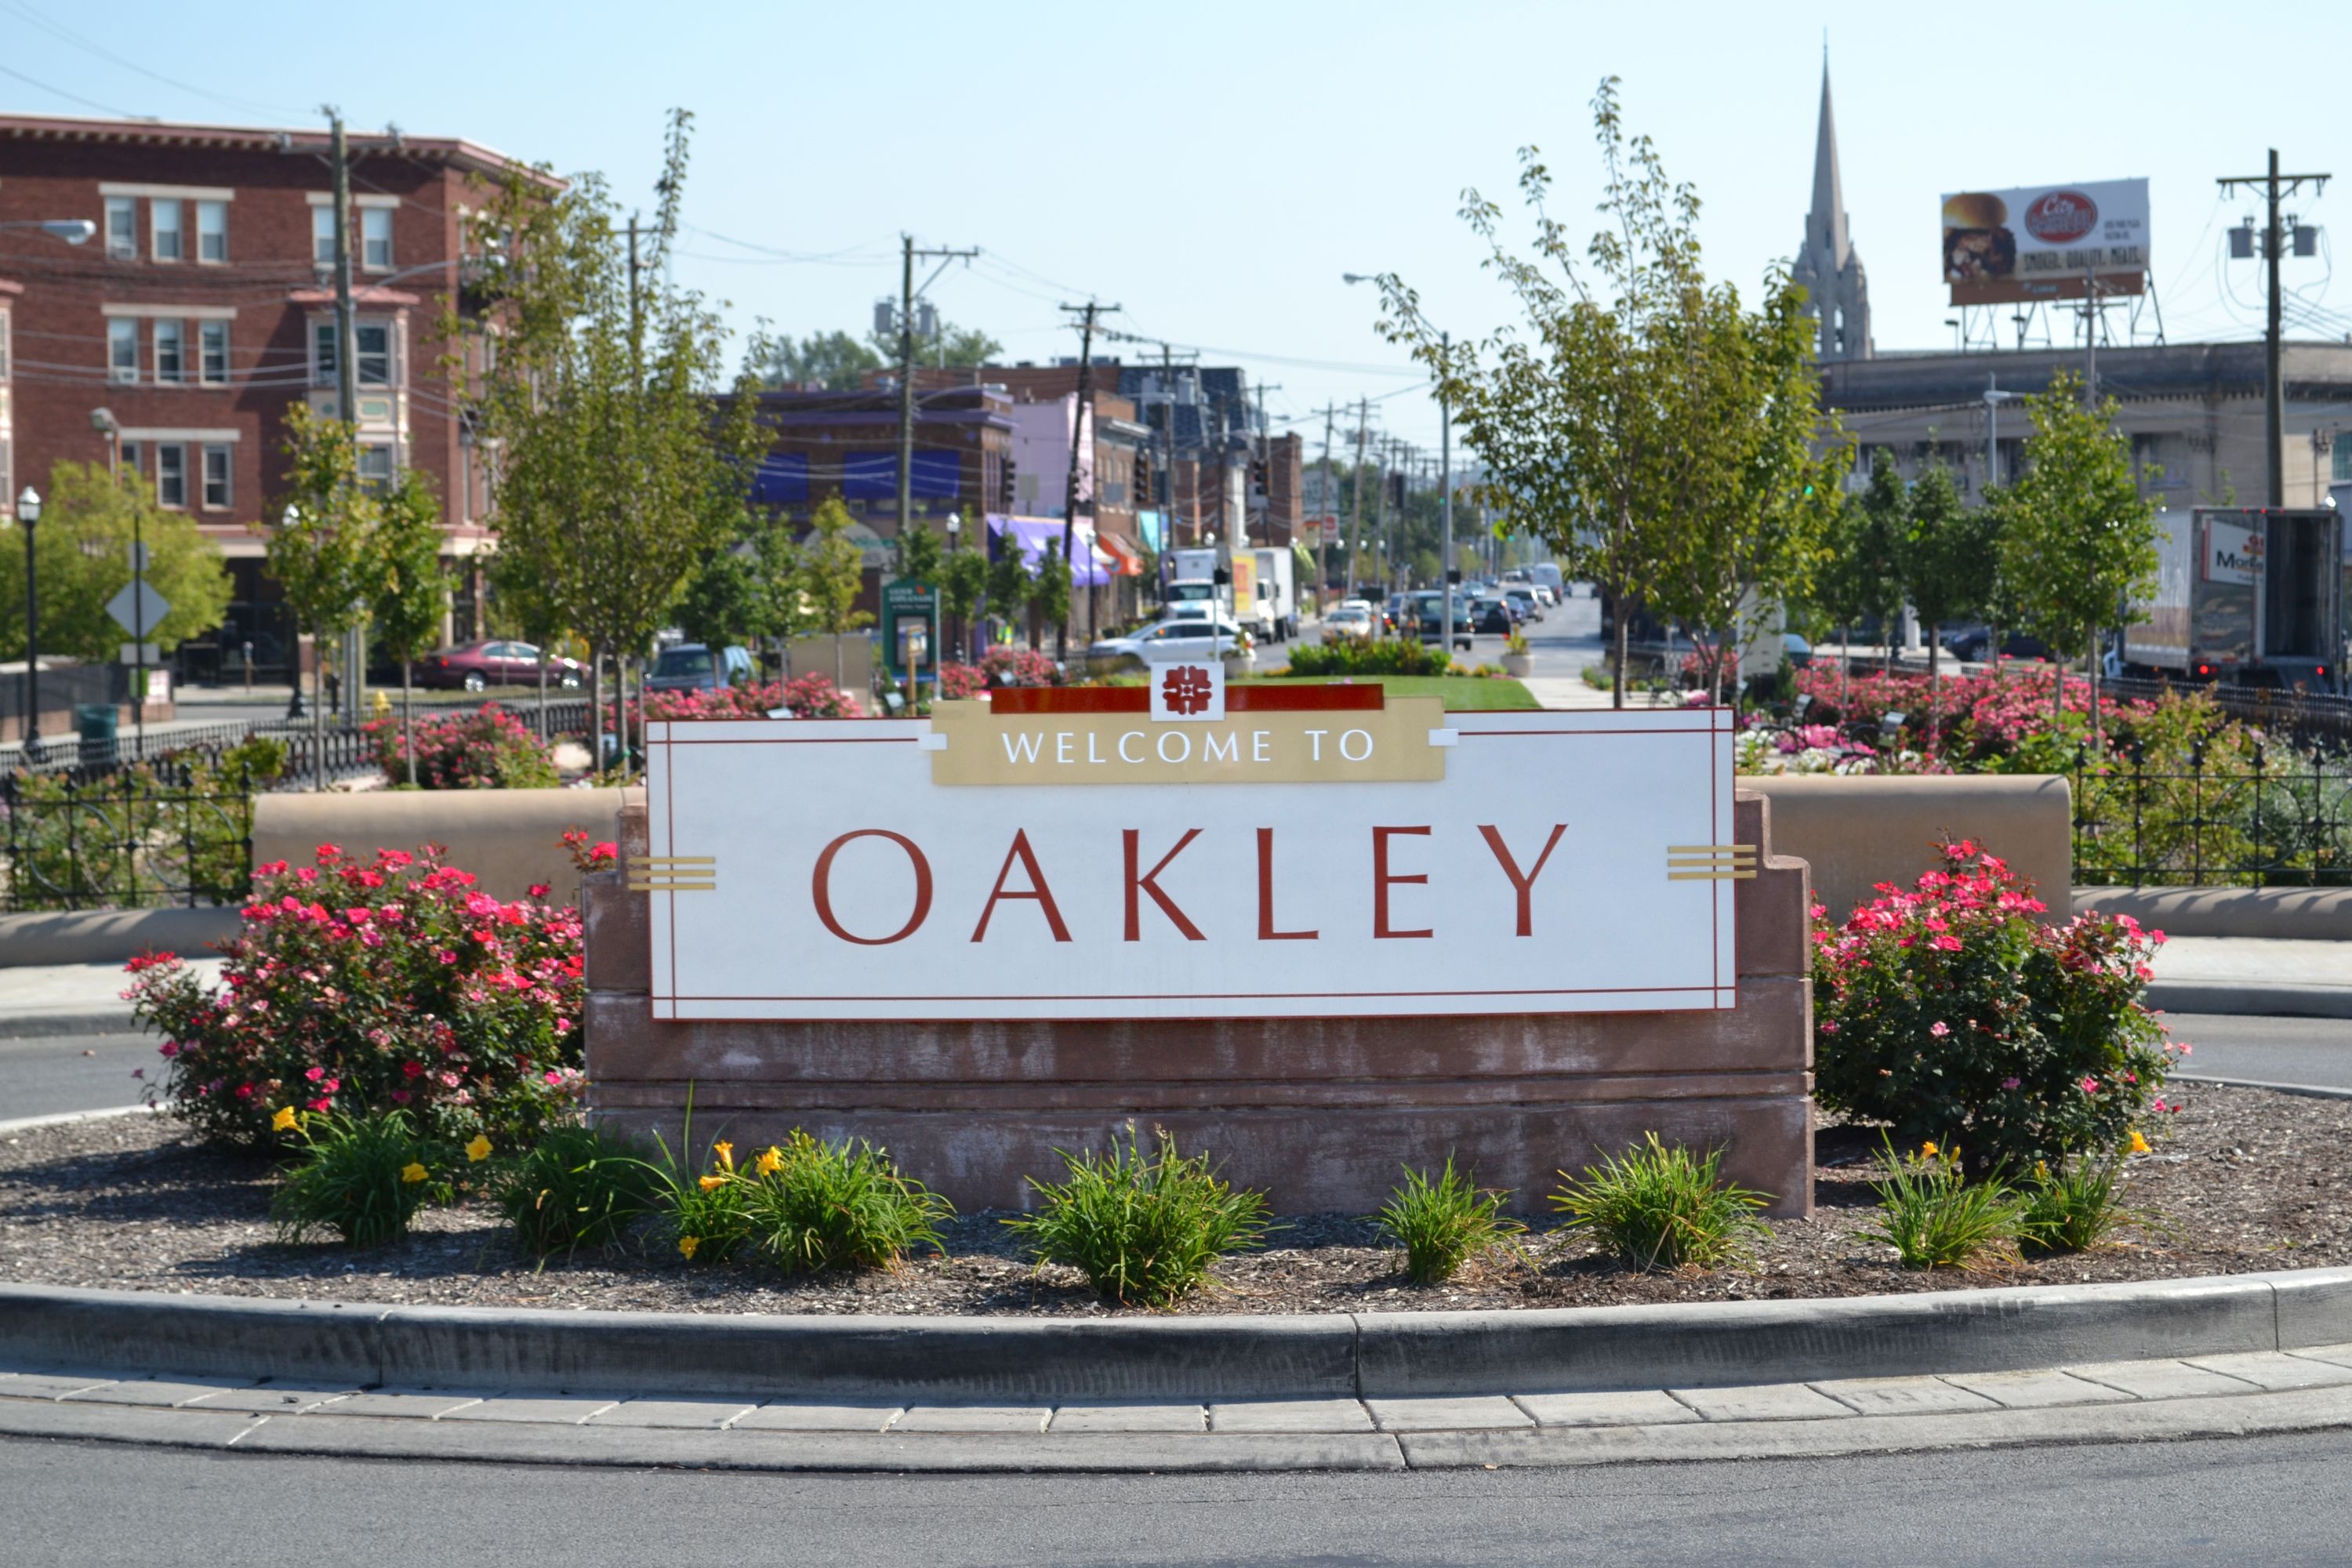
x: 2278, y: 712
x: 169, y: 832
x: 2245, y: 816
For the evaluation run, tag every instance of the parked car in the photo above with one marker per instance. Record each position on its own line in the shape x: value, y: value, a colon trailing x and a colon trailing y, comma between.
x: 1349, y: 620
x: 1174, y: 641
x: 1493, y: 616
x: 1971, y: 645
x: 1796, y: 650
x: 697, y: 667
x: 1426, y: 611
x: 1524, y: 597
x: 478, y: 666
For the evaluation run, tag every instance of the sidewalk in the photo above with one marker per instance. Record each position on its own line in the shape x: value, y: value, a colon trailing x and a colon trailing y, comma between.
x: 2269, y: 975
x: 2204, y: 1395
x: 74, y: 998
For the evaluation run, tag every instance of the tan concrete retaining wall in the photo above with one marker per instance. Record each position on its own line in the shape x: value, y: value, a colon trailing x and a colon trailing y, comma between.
x: 2308, y: 914
x: 1319, y: 1112
x: 510, y: 839
x: 1857, y: 832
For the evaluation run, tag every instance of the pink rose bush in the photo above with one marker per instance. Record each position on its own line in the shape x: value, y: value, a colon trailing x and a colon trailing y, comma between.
x: 1949, y: 1012
x: 484, y: 748
x: 812, y: 695
x: 358, y: 987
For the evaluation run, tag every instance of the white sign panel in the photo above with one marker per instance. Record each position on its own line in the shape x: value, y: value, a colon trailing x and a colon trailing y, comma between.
x: 1108, y: 865
x: 2046, y: 242
x: 2232, y: 553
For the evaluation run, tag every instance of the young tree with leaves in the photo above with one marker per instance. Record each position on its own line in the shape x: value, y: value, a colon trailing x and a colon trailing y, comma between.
x: 1881, y: 522
x: 408, y: 589
x: 2078, y: 540
x: 1009, y: 581
x: 83, y: 558
x: 918, y: 551
x: 833, y: 574
x: 963, y: 580
x: 323, y: 550
x: 620, y: 468
x: 1049, y: 594
x: 1947, y: 570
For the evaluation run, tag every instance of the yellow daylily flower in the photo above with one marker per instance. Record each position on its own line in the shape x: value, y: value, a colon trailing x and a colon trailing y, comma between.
x: 1928, y: 1151
x: 770, y: 1163
x: 2138, y: 1144
x: 726, y: 1153
x: 2041, y: 1169
x: 479, y: 1149
x: 711, y: 1184
x: 412, y: 1173
x: 686, y: 1245
x: 286, y: 1121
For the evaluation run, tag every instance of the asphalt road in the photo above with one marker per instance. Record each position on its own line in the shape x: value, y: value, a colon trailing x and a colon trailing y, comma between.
x: 45, y: 1075
x: 2314, y: 1051
x: 2263, y: 1500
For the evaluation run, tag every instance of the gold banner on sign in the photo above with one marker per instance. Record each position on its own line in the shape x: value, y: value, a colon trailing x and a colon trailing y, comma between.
x: 674, y: 874
x: 1710, y: 862
x: 1387, y: 745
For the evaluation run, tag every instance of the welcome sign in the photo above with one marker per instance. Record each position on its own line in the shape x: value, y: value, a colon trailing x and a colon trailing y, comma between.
x: 1191, y: 851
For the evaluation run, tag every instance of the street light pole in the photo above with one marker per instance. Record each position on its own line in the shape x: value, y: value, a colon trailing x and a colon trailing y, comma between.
x: 28, y: 512
x: 1445, y: 490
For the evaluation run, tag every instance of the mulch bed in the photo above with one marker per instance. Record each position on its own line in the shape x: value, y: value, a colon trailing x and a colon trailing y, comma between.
x: 2241, y: 1180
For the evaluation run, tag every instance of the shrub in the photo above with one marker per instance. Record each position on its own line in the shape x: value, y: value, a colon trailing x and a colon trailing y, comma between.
x: 1934, y: 1217
x: 157, y: 832
x: 961, y: 681
x: 362, y: 1177
x: 815, y: 696
x: 488, y: 748
x: 1141, y: 1229
x: 1020, y: 667
x: 810, y: 1206
x: 1443, y: 1224
x: 1369, y: 656
x: 2073, y: 1208
x: 1950, y: 1013
x: 1657, y: 1207
x: 574, y: 1187
x: 359, y: 987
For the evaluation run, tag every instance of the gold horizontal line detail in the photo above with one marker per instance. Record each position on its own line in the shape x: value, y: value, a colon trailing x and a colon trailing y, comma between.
x: 676, y: 860
x: 672, y: 887
x: 1710, y: 849
x: 1710, y: 876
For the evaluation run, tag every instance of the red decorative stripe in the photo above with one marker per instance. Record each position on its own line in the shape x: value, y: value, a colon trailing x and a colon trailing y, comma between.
x: 1070, y: 700
x: 1367, y: 697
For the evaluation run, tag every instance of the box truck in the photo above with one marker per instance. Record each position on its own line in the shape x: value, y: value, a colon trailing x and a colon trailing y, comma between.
x: 1278, y: 594
x: 2246, y: 594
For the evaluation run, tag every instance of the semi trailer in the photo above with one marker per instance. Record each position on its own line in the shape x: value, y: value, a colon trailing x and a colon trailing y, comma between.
x: 2247, y: 596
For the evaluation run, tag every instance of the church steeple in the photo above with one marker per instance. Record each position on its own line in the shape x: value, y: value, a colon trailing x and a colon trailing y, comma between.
x: 1826, y: 265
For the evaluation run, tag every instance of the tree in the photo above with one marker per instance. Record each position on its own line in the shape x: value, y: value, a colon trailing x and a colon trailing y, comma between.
x: 1590, y: 421
x: 720, y: 604
x: 831, y: 360
x: 82, y: 558
x: 1882, y: 523
x: 832, y: 573
x: 407, y: 588
x: 1948, y: 570
x: 322, y: 550
x: 2078, y: 540
x: 950, y: 348
x: 620, y: 471
x: 1009, y: 581
x: 781, y: 608
x: 1049, y: 594
x: 962, y: 581
x: 521, y: 598
x: 918, y: 551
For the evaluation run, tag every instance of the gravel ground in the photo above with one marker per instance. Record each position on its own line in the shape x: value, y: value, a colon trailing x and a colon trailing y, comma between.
x: 2241, y: 1180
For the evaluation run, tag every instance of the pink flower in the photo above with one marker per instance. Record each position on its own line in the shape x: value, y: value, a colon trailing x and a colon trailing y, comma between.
x: 2010, y: 1082
x: 170, y: 1048
x: 1949, y: 943
x: 539, y: 889
x: 2090, y: 1086
x: 320, y: 1104
x: 1939, y: 1028
x: 315, y: 1074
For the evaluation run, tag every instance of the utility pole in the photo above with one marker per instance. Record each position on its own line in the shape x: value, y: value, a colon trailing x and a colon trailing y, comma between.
x: 347, y: 404
x: 1356, y: 506
x: 908, y: 251
x: 2274, y: 185
x: 1325, y: 510
x: 1446, y: 573
x: 1381, y: 521
x: 1081, y: 433
x: 1266, y: 466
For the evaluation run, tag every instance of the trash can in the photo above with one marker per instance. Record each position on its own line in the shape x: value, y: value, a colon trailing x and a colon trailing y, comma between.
x: 95, y: 722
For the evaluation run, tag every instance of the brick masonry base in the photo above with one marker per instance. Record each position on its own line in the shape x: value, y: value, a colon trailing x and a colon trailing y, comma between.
x: 1320, y: 1113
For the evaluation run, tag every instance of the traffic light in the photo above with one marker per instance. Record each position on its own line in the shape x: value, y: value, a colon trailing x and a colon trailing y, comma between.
x: 1005, y: 490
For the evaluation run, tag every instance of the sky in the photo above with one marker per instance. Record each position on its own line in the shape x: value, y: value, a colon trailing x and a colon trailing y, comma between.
x: 1213, y: 168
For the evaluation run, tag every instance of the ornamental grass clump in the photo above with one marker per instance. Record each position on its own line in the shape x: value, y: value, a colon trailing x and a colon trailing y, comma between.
x: 1934, y: 1217
x: 1143, y: 1229
x: 704, y: 1212
x: 575, y: 1186
x: 363, y: 985
x: 1660, y: 1208
x: 810, y: 1206
x: 2075, y: 1206
x: 1443, y: 1223
x: 1950, y: 1013
x: 361, y: 1178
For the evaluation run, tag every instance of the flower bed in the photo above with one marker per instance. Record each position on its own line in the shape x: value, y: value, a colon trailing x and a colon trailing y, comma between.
x: 488, y: 748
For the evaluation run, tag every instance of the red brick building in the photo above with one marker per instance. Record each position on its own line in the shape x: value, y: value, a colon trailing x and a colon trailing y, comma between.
x: 203, y: 308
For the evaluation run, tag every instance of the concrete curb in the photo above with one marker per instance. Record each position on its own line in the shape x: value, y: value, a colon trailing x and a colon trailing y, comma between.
x: 2322, y: 913
x: 2310, y: 1090
x: 2282, y: 999
x: 68, y: 1118
x: 51, y: 1026
x: 1322, y: 1356
x: 112, y: 936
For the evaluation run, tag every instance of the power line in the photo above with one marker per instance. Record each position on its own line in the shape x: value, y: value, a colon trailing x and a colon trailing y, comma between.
x: 61, y: 31
x: 74, y: 97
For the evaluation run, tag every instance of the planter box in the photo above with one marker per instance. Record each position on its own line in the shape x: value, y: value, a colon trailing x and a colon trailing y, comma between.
x: 510, y: 839
x: 1860, y: 831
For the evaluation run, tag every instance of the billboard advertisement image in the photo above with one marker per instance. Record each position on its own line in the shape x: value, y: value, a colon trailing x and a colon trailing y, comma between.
x: 2046, y: 242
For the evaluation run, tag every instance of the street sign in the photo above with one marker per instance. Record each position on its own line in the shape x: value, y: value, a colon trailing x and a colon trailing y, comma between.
x: 137, y: 609
x: 909, y: 608
x: 140, y: 653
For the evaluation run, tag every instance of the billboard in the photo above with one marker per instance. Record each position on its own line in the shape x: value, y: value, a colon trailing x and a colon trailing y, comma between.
x: 1194, y: 851
x: 2004, y: 247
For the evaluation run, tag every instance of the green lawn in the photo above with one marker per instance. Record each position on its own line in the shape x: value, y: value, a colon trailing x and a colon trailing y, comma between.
x: 1461, y: 693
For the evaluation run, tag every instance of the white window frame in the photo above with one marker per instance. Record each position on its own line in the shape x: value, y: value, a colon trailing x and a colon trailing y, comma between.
x: 219, y: 455
x: 211, y: 370
x: 123, y: 228
x: 322, y: 353
x: 322, y: 235
x: 158, y: 230
x: 170, y: 468
x: 361, y: 355
x: 4, y: 346
x: 170, y: 352
x: 212, y: 224
x: 378, y: 451
x: 123, y: 349
x: 372, y: 220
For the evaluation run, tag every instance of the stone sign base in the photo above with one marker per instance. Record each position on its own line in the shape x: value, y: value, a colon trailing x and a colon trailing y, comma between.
x: 1319, y: 1113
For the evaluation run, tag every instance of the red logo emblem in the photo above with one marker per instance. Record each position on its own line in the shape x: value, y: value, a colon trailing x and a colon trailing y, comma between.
x: 1186, y: 691
x: 2061, y: 217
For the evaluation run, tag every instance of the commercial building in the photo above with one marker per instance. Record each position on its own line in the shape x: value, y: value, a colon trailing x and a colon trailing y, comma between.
x: 176, y: 340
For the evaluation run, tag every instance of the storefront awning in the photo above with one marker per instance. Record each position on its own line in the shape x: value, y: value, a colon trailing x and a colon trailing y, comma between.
x: 1041, y: 536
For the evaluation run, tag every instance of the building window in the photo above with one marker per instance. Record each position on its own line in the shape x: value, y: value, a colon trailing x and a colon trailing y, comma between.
x: 212, y: 368
x: 375, y: 238
x: 122, y: 229
x: 171, y: 361
x: 216, y: 477
x: 123, y: 348
x: 374, y: 354
x: 212, y: 231
x: 2343, y: 451
x: 7, y: 488
x: 322, y: 235
x: 322, y: 353
x: 171, y: 474
x: 4, y: 345
x: 164, y: 223
x: 376, y: 467
x: 131, y: 458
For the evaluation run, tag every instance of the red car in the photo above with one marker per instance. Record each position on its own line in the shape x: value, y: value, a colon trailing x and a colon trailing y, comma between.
x: 478, y: 666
